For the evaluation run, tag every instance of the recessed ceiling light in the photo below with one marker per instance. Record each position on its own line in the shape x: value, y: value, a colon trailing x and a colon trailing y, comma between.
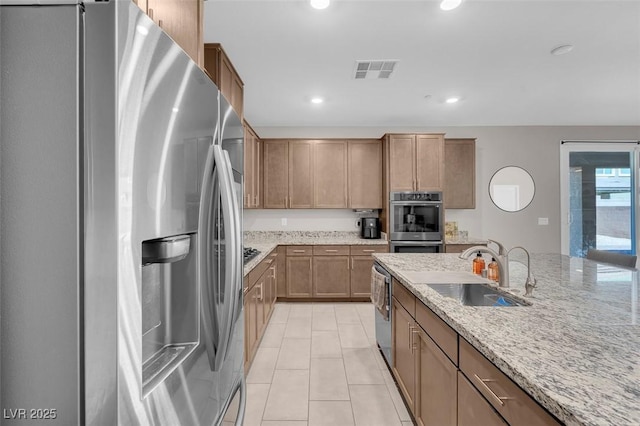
x: 452, y: 100
x: 450, y: 4
x: 320, y: 4
x: 317, y: 100
x: 561, y: 50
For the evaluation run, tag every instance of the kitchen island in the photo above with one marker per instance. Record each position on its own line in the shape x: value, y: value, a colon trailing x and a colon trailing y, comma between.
x: 575, y: 349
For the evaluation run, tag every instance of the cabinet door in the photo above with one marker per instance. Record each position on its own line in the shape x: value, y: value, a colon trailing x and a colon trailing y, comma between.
x: 261, y: 302
x: 300, y: 175
x: 180, y: 19
x: 402, y: 163
x: 257, y: 171
x: 404, y: 367
x: 473, y: 409
x: 429, y: 162
x: 361, y: 276
x: 251, y: 330
x: 281, y: 275
x: 276, y: 174
x: 365, y: 174
x: 330, y: 174
x: 299, y: 276
x: 331, y: 276
x: 437, y: 386
x: 249, y: 159
x: 460, y: 173
x: 237, y: 94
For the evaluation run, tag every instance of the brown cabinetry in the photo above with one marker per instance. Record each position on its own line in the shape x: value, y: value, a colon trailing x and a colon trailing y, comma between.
x: 415, y: 162
x: 300, y: 175
x: 445, y: 380
x: 460, y: 173
x: 459, y: 248
x: 361, y: 264
x: 331, y: 271
x: 276, y: 173
x: 259, y: 298
x: 252, y: 168
x: 365, y: 174
x: 330, y: 174
x: 181, y: 20
x: 222, y: 72
x: 473, y: 409
x: 299, y: 264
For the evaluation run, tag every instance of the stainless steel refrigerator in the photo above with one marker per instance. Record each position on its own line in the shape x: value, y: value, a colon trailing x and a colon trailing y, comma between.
x: 120, y: 223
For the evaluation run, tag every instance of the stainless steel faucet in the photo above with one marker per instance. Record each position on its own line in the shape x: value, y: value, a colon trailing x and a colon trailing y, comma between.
x: 502, y: 258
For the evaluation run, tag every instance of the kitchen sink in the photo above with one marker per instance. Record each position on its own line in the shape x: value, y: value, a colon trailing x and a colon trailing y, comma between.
x: 474, y: 294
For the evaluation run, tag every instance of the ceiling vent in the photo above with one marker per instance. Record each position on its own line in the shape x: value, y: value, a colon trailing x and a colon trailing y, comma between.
x: 381, y: 68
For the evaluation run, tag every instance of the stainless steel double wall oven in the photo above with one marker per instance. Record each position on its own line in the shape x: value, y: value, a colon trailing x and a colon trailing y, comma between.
x: 416, y: 222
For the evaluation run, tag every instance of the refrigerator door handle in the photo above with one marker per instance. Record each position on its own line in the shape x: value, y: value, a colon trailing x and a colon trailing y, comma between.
x: 243, y: 402
x: 205, y: 254
x: 231, y: 225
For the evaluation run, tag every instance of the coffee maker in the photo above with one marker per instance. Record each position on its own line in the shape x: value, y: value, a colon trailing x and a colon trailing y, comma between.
x: 370, y: 227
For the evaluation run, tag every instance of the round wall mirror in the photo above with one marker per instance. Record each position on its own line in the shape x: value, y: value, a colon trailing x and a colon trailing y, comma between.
x: 511, y: 188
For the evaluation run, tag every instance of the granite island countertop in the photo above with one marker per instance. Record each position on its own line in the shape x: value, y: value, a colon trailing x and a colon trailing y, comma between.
x: 576, y: 349
x: 266, y: 241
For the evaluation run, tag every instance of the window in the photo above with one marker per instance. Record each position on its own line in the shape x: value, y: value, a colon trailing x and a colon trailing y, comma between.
x: 605, y: 172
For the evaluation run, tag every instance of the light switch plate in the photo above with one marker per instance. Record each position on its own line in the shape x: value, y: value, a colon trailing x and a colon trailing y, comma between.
x: 284, y: 221
x: 543, y: 221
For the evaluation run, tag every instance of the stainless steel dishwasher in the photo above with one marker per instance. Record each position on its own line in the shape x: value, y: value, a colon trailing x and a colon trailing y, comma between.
x: 383, y: 309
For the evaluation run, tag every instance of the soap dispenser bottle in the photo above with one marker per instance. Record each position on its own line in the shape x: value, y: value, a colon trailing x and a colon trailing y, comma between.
x: 493, y: 273
x: 478, y: 264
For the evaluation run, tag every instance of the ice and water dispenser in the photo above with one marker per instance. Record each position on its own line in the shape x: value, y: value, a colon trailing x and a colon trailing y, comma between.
x: 169, y: 306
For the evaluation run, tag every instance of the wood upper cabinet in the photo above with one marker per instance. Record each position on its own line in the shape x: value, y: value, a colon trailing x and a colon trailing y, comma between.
x: 416, y: 162
x: 460, y: 173
x: 329, y: 174
x: 181, y: 20
x: 365, y: 174
x: 473, y: 409
x: 276, y: 173
x: 437, y: 384
x: 403, y: 352
x: 252, y: 168
x: 222, y: 72
x: 300, y: 194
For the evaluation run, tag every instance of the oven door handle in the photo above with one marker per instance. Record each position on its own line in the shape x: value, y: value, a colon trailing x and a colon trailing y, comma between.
x: 417, y: 243
x: 416, y: 203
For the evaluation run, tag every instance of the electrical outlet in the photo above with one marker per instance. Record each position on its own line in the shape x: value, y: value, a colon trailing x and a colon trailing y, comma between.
x: 284, y: 221
x: 357, y: 224
x: 543, y: 221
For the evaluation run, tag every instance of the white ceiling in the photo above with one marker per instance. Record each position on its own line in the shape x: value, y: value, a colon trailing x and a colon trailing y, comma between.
x: 495, y: 55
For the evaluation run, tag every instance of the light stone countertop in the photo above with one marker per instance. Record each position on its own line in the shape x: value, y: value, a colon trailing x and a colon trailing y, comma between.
x: 267, y: 241
x: 576, y: 349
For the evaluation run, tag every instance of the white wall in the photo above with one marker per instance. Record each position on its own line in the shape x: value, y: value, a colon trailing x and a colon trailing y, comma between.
x: 300, y: 220
x: 535, y: 148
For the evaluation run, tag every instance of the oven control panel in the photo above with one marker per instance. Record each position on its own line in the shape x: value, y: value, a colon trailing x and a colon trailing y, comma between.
x: 416, y: 196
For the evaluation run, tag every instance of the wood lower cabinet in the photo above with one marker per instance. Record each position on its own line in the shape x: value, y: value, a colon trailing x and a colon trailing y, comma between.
x: 473, y: 409
x: 403, y: 352
x: 361, y: 264
x: 299, y: 264
x: 437, y: 385
x: 331, y: 276
x: 459, y: 248
x: 281, y: 272
x: 365, y: 174
x: 460, y: 173
x: 250, y: 324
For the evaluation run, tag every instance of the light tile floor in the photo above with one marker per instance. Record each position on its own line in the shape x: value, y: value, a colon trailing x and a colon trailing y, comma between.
x: 318, y: 364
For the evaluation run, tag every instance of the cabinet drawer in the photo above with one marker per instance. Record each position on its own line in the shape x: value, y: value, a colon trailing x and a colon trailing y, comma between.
x: 331, y: 250
x: 444, y: 336
x: 404, y: 296
x: 514, y: 404
x: 257, y: 272
x: 299, y: 250
x: 367, y: 250
x: 458, y: 248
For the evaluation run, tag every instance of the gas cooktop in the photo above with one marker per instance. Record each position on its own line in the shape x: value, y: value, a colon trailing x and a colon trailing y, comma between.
x: 250, y: 253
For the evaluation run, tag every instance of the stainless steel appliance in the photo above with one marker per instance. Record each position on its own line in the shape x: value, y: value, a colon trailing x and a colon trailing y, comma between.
x: 383, y: 312
x: 120, y: 230
x: 370, y: 228
x: 416, y: 222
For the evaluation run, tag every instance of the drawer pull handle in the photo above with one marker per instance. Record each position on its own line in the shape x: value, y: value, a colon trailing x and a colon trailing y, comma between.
x: 414, y: 331
x: 269, y: 262
x: 368, y: 251
x: 484, y: 382
x: 331, y: 251
x: 299, y: 251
